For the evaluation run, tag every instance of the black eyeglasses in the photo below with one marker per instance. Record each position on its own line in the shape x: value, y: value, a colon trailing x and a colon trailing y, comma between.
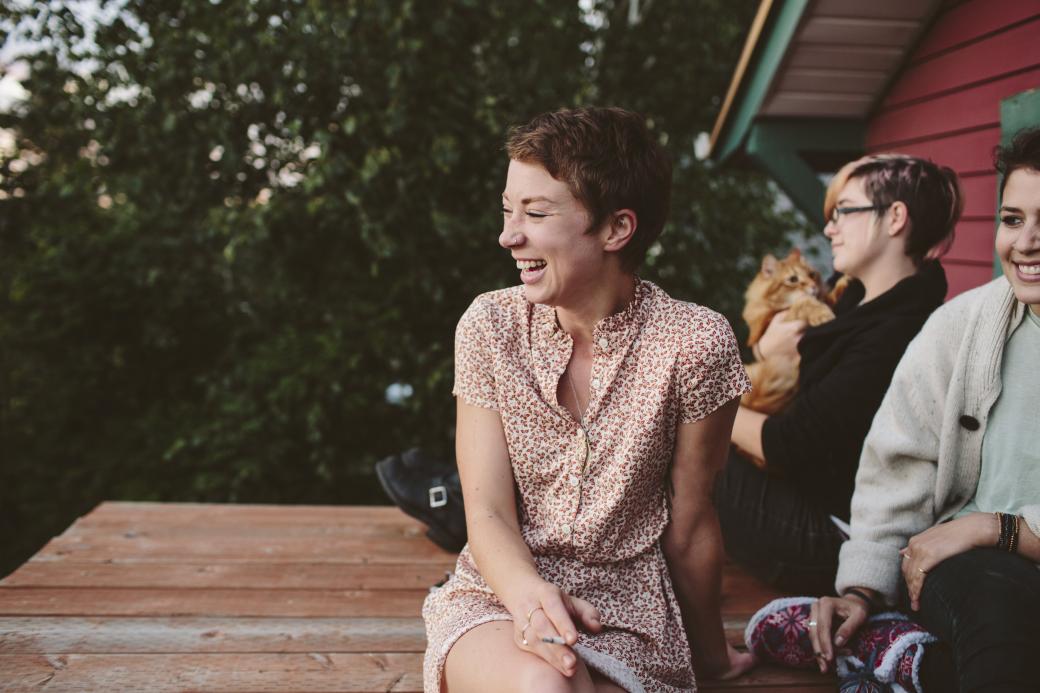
x: 838, y: 212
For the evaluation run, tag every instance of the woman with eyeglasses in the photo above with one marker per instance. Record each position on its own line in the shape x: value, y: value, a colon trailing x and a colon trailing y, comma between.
x: 889, y: 217
x: 946, y: 513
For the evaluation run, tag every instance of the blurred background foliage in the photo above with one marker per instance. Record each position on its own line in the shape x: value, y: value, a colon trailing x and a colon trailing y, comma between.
x: 235, y: 237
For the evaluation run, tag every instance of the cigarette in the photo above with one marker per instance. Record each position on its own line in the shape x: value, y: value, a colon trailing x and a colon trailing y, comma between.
x: 554, y: 640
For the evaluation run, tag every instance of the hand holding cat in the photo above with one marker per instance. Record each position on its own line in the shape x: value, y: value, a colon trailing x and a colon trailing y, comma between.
x: 781, y: 337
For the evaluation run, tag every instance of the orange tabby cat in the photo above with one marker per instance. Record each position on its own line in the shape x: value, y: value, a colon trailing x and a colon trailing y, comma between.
x: 790, y: 284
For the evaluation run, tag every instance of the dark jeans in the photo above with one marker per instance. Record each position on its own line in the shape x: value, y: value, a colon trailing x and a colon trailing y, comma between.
x: 774, y: 531
x: 985, y: 605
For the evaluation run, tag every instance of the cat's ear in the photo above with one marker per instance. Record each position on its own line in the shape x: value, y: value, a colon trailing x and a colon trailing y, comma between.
x: 769, y: 265
x: 794, y: 254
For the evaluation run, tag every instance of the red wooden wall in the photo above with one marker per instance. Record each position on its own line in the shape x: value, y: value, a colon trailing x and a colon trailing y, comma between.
x: 945, y: 105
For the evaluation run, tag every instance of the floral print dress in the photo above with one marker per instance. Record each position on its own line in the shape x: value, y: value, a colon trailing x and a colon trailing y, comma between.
x: 594, y: 520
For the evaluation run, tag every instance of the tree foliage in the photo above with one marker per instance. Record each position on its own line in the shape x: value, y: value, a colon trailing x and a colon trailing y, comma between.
x: 227, y: 227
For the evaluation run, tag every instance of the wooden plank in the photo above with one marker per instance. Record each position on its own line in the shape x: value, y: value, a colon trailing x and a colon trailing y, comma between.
x: 859, y: 31
x: 970, y: 20
x: 795, y: 103
x: 269, y: 528
x: 980, y: 196
x: 163, y: 635
x: 962, y: 276
x: 831, y: 80
x: 342, y: 549
x: 991, y: 58
x: 882, y: 9
x: 973, y: 241
x: 947, y: 114
x: 227, y: 513
x: 358, y: 576
x: 117, y: 601
x: 964, y: 152
x: 97, y: 635
x: 314, y: 672
x: 840, y: 56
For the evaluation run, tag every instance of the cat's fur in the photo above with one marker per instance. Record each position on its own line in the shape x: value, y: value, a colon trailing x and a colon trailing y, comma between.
x: 790, y: 284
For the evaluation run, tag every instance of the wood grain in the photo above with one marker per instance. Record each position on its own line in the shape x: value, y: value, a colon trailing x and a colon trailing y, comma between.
x: 173, y: 597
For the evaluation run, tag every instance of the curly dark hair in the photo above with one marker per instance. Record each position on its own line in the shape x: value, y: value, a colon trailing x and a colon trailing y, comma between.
x: 1023, y: 151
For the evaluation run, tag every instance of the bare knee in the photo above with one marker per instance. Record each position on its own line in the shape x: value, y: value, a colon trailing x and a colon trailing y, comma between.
x: 541, y: 677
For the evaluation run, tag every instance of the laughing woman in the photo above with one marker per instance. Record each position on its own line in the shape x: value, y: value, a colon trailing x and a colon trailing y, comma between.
x: 582, y: 395
x: 946, y: 512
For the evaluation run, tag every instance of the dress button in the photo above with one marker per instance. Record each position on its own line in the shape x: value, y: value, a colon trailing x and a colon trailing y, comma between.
x: 595, y: 382
x: 603, y: 342
x: 969, y: 422
x: 565, y: 528
x: 574, y: 481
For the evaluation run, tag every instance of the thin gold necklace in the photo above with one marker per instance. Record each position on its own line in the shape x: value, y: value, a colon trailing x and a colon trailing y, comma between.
x: 581, y: 422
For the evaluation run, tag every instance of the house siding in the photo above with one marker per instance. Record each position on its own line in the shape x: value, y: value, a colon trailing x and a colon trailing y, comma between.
x: 945, y: 105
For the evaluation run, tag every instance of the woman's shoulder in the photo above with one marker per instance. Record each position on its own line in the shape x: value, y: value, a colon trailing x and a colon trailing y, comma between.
x: 689, y: 325
x: 493, y: 319
x: 495, y: 306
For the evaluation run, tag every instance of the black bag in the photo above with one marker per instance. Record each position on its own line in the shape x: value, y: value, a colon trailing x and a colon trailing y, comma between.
x: 429, y: 490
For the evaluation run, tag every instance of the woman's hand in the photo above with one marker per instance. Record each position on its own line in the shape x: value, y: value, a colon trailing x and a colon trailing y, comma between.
x: 933, y: 546
x: 737, y: 663
x: 552, y: 614
x: 824, y: 615
x: 781, y: 337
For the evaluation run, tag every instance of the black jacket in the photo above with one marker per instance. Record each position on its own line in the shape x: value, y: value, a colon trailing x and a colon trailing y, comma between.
x: 846, y: 367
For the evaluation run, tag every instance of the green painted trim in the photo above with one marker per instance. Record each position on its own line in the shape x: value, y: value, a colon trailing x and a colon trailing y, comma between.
x: 767, y: 62
x: 777, y: 147
x: 1016, y: 112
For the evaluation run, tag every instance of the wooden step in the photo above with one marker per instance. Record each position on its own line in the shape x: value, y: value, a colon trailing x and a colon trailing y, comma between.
x: 174, y: 597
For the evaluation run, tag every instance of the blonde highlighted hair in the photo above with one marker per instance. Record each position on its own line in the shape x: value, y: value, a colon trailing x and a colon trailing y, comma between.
x: 931, y: 193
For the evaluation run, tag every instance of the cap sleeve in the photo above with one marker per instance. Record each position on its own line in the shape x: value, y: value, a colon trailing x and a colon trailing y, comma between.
x: 710, y: 371
x: 474, y: 362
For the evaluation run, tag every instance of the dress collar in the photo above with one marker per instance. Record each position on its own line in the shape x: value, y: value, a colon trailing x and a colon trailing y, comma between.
x: 544, y: 317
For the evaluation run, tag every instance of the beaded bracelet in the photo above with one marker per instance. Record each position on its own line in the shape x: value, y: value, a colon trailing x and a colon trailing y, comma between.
x: 1008, y: 538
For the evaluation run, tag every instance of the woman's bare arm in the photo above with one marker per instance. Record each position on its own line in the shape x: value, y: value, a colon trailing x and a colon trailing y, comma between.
x: 693, y: 542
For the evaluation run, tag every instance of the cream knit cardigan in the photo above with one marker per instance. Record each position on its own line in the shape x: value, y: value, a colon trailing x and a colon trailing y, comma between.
x: 920, y: 461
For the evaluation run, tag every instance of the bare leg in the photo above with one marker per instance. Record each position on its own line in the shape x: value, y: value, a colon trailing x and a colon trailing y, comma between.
x: 487, y: 659
x: 605, y: 685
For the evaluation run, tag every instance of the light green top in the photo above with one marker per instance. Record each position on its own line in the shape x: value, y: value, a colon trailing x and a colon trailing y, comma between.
x: 1010, y: 477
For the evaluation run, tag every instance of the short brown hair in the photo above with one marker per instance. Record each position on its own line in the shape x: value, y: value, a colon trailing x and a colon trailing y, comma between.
x: 931, y: 193
x: 609, y: 160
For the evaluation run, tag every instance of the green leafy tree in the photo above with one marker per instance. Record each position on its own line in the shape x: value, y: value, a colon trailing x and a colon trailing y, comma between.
x: 227, y: 227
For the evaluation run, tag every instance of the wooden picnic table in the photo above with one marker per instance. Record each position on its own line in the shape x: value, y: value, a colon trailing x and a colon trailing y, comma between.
x: 200, y: 597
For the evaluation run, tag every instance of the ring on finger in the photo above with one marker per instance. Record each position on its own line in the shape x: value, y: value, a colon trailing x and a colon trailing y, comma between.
x: 922, y: 571
x: 812, y: 624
